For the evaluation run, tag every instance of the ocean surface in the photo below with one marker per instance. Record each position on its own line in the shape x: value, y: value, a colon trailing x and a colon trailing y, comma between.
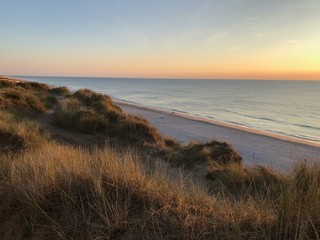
x: 290, y: 108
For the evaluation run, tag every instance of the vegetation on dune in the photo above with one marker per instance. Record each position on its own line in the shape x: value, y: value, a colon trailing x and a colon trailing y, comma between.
x: 195, y: 153
x: 20, y: 99
x: 55, y: 191
x: 60, y: 91
x: 63, y: 192
x: 25, y: 95
x: 35, y: 86
x: 18, y: 134
x: 242, y: 182
x: 90, y: 112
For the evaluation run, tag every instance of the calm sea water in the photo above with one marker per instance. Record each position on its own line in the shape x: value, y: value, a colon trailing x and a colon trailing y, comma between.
x: 290, y: 108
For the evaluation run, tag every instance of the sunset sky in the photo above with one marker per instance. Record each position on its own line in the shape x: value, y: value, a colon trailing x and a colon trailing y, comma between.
x: 254, y: 39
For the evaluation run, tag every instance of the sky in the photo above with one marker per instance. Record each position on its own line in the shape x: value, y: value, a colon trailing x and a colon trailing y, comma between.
x: 224, y: 39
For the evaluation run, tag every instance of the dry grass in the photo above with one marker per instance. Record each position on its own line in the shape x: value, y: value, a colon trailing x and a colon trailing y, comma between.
x: 60, y: 91
x: 294, y: 198
x: 59, y: 192
x: 20, y: 99
x: 195, y: 153
x: 17, y: 134
x: 90, y: 112
x: 53, y: 191
x: 26, y: 96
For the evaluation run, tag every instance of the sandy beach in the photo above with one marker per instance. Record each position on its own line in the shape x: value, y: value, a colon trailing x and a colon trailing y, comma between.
x: 256, y: 147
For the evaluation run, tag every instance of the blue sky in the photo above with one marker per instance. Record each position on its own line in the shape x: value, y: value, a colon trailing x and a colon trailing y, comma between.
x: 199, y: 38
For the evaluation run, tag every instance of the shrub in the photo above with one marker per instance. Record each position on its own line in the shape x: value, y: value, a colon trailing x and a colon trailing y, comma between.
x: 50, y: 101
x: 100, y: 103
x: 6, y: 84
x: 17, y: 134
x: 60, y: 91
x: 34, y: 86
x: 90, y: 112
x: 242, y: 181
x: 19, y: 99
x: 195, y: 153
x: 72, y: 114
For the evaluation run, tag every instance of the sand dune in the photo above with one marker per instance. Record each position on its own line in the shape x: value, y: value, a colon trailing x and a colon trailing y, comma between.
x: 256, y: 147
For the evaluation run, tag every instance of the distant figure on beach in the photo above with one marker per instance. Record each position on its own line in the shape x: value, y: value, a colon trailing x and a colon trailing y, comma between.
x: 172, y: 112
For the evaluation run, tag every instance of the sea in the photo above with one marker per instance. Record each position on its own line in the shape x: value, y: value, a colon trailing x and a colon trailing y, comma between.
x: 288, y: 108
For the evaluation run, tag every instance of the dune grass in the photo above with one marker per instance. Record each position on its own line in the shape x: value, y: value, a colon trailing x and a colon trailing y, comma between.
x: 195, y: 153
x: 26, y: 96
x: 20, y: 99
x: 18, y: 134
x: 60, y: 192
x: 90, y: 112
x: 60, y: 91
x: 54, y: 191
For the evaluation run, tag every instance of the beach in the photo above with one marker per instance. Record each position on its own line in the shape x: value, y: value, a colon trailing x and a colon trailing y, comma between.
x: 256, y: 147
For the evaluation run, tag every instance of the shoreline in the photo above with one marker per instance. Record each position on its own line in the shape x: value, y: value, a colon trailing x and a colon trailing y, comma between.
x: 277, y: 135
x: 218, y: 123
x: 256, y: 147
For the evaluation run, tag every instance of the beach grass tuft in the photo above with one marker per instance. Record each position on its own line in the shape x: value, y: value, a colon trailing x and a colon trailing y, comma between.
x: 90, y: 112
x: 195, y: 153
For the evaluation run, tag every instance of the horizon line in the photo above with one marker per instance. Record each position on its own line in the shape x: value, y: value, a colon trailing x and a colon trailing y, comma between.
x: 175, y: 78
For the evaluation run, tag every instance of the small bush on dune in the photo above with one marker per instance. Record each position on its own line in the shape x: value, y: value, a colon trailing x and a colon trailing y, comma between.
x: 294, y: 198
x: 19, y: 134
x: 10, y: 142
x: 6, y: 84
x: 90, y: 112
x: 50, y: 101
x: 242, y: 181
x: 171, y: 143
x: 299, y: 202
x: 135, y: 129
x: 194, y: 153
x: 101, y: 103
x: 72, y: 114
x: 60, y: 91
x: 20, y: 99
x: 35, y: 86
